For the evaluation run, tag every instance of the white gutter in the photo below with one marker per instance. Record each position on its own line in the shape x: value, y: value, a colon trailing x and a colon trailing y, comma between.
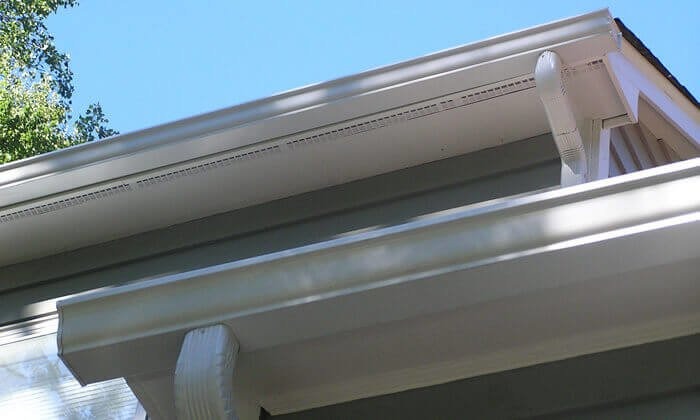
x: 199, y: 136
x: 138, y: 328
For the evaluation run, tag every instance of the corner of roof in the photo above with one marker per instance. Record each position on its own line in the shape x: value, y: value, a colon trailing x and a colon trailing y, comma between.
x: 637, y: 43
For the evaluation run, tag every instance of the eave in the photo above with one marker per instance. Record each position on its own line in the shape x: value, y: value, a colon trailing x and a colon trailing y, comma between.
x: 595, y: 244
x: 143, y: 150
x: 298, y: 141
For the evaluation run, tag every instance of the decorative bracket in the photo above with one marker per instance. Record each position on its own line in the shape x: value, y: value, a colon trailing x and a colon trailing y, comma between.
x: 560, y: 114
x: 204, y: 374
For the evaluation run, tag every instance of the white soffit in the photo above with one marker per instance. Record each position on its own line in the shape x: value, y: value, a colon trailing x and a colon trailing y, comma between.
x: 446, y: 104
x: 516, y: 247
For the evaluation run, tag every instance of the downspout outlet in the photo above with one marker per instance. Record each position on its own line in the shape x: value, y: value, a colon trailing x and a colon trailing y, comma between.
x: 560, y: 114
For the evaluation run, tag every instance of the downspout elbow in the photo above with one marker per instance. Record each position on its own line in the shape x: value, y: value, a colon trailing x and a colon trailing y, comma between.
x: 560, y: 114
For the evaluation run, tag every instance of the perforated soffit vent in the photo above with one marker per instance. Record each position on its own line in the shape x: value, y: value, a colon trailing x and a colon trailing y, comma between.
x: 323, y: 134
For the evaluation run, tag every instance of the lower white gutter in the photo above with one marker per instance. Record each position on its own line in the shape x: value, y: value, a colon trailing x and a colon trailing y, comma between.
x: 139, y: 327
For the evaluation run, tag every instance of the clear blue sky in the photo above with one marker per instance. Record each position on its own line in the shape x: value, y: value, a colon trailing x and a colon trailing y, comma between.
x: 153, y: 61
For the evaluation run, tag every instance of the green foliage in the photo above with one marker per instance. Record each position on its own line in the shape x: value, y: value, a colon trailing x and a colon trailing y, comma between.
x: 93, y: 124
x: 31, y: 116
x: 36, y: 85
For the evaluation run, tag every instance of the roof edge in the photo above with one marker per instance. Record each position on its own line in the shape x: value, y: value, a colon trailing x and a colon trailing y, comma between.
x: 637, y: 43
x: 128, y: 144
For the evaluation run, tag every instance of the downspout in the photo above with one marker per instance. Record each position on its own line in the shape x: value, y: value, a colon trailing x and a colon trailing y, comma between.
x: 204, y: 374
x: 560, y: 114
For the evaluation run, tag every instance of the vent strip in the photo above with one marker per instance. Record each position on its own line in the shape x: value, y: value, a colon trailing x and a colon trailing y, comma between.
x: 323, y: 134
x: 588, y: 67
x: 67, y: 202
x: 412, y: 112
x: 205, y: 167
x: 353, y: 127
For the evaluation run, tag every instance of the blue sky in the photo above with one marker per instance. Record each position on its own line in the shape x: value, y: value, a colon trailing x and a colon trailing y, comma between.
x: 150, y: 62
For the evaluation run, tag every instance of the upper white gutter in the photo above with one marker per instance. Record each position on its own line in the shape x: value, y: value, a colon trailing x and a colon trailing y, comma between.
x: 279, y: 298
x: 194, y: 137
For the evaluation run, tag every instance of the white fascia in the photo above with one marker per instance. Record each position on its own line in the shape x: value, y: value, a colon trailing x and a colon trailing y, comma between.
x: 272, y: 299
x: 634, y: 86
x: 368, y: 92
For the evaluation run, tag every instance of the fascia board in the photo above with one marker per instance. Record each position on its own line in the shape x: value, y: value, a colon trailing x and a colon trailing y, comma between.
x: 634, y: 83
x: 195, y: 137
x: 139, y: 326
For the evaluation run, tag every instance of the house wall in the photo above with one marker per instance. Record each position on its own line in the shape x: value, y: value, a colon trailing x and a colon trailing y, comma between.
x: 383, y: 200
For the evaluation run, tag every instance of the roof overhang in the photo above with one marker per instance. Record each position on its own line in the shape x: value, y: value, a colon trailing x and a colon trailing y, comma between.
x: 454, y: 70
x: 422, y: 110
x: 501, y: 284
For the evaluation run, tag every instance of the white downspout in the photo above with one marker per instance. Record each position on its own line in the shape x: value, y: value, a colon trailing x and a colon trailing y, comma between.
x: 204, y: 374
x: 557, y: 105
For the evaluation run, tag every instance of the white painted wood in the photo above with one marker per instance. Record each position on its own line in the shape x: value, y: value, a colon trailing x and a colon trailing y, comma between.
x: 687, y: 125
x: 628, y: 92
x: 596, y: 140
x: 617, y: 121
x: 204, y: 374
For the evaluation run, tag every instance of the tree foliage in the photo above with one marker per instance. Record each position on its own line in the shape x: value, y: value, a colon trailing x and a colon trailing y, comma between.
x: 36, y: 85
